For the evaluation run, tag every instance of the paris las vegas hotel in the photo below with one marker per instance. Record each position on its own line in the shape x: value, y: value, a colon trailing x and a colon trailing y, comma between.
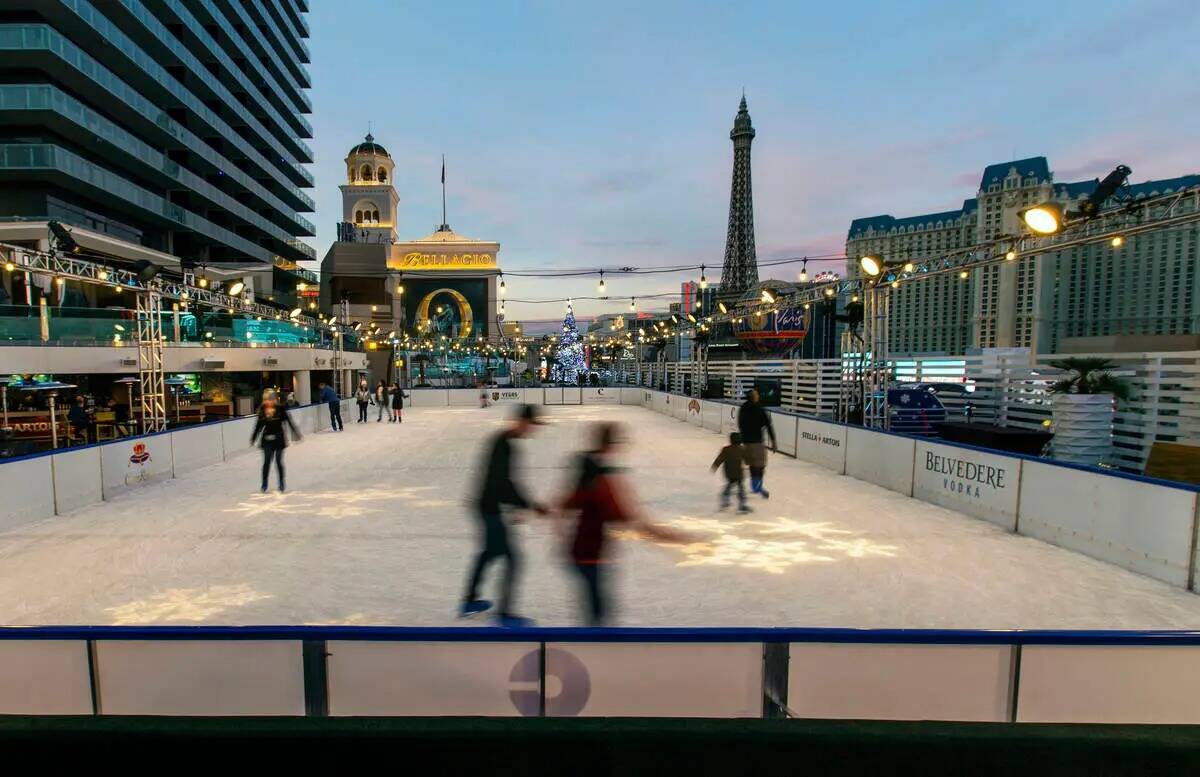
x: 1142, y: 296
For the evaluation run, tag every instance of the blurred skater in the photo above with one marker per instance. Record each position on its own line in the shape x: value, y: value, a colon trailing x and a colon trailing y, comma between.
x: 752, y: 417
x: 483, y: 400
x: 733, y: 457
x: 330, y: 397
x: 271, y: 418
x: 363, y: 397
x: 398, y: 397
x: 381, y: 401
x: 498, y: 489
x: 601, y: 497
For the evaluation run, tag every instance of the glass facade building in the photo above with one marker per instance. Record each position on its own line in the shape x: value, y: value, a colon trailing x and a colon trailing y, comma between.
x: 179, y: 126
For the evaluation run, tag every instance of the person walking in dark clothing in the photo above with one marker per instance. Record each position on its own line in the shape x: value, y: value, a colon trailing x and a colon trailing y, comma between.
x: 752, y: 418
x: 330, y: 397
x: 272, y: 417
x: 602, y: 497
x: 733, y: 457
x: 77, y: 416
x: 398, y: 397
x: 500, y: 489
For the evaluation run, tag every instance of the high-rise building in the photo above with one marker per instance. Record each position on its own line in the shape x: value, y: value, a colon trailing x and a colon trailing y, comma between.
x: 740, y: 270
x: 1148, y: 286
x: 175, y: 126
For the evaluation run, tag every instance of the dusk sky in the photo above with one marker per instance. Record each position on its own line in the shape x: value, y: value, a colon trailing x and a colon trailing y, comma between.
x: 596, y: 135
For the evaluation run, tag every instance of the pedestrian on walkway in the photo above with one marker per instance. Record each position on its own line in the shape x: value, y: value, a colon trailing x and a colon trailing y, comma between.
x: 272, y: 417
x: 602, y: 496
x: 498, y: 489
x: 752, y: 419
x: 363, y: 397
x: 330, y: 397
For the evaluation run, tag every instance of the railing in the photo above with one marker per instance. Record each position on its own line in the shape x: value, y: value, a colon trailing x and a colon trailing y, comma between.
x: 1010, y: 388
x: 981, y: 676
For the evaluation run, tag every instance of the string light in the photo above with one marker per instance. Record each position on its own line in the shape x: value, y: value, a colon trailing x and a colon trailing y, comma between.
x: 503, y: 288
x: 632, y: 304
x: 601, y: 287
x: 703, y: 280
x: 804, y: 271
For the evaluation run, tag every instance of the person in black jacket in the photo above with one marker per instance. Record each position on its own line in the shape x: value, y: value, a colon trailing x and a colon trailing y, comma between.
x: 752, y: 417
x: 398, y: 397
x: 271, y: 418
x: 499, y: 489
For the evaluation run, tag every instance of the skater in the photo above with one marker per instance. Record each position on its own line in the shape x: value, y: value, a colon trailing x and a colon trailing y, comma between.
x: 601, y: 497
x: 329, y: 396
x: 363, y: 397
x: 498, y: 489
x: 398, y: 397
x: 271, y: 418
x: 733, y: 457
x: 381, y: 401
x: 483, y: 401
x: 752, y: 417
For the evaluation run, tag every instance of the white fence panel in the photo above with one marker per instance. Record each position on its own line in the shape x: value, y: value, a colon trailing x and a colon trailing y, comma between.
x: 729, y: 419
x: 712, y: 412
x: 785, y: 431
x: 129, y: 463
x: 679, y: 406
x: 433, y: 678
x: 464, y: 397
x: 631, y: 396
x: 659, y: 403
x: 77, y: 480
x: 235, y: 435
x: 197, y: 446
x: 28, y: 489
x: 238, y: 677
x: 883, y: 459
x: 44, y: 677
x: 821, y: 443
x: 900, y: 682
x: 572, y: 395
x: 718, y: 680
x: 984, y: 485
x: 1109, y: 684
x: 429, y: 398
x: 602, y: 396
x: 551, y: 395
x: 1141, y: 526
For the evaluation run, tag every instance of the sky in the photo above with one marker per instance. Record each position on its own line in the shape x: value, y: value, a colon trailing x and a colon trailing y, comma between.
x: 596, y: 135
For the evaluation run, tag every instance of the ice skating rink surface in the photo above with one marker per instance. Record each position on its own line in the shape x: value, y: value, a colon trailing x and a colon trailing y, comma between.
x: 375, y: 529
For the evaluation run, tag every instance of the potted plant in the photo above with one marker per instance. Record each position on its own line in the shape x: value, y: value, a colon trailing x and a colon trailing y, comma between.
x: 1084, y: 407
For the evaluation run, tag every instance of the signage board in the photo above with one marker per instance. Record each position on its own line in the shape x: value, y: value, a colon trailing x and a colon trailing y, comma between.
x: 973, y: 482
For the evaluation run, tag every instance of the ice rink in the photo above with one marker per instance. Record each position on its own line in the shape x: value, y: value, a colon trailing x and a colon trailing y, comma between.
x: 375, y: 530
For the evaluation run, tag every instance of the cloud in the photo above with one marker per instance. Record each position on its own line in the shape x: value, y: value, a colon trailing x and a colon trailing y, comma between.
x: 646, y: 243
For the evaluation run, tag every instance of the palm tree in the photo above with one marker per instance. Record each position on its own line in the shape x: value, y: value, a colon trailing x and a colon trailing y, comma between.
x: 1090, y: 376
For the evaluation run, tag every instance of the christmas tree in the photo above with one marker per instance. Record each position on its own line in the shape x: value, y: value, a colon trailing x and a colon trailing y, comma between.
x: 568, y: 357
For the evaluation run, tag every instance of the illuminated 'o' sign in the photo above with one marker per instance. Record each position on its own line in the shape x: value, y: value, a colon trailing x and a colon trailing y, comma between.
x: 465, y: 315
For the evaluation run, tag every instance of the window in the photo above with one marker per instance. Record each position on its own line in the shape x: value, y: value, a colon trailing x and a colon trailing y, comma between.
x: 366, y: 172
x: 358, y: 217
x: 382, y: 175
x: 375, y: 216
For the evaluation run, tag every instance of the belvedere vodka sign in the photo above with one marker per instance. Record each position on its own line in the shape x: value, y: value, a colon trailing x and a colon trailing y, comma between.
x: 974, y: 482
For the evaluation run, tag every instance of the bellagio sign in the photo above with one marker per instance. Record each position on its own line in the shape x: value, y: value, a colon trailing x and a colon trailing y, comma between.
x: 417, y: 260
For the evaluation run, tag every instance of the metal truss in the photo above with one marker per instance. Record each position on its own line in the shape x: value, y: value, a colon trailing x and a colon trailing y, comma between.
x: 150, y: 345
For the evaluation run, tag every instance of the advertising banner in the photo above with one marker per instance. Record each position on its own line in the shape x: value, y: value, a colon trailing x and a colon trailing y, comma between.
x: 695, y: 414
x: 602, y: 396
x: 508, y: 396
x: 130, y: 463
x: 729, y: 419
x: 984, y: 485
x: 821, y: 443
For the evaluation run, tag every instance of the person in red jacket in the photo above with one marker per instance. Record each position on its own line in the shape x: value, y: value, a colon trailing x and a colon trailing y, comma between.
x: 602, y: 496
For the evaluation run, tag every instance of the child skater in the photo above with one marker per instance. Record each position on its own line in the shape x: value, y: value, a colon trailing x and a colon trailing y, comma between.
x: 733, y: 457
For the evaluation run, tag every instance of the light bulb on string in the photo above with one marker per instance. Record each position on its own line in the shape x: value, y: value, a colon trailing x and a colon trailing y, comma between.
x: 601, y: 287
x: 503, y: 288
x: 804, y: 272
x: 703, y: 280
x: 632, y: 303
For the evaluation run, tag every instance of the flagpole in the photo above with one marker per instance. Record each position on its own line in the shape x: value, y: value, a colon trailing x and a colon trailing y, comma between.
x: 443, y: 190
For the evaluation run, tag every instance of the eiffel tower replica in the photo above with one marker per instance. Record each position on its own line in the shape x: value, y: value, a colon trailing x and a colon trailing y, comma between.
x: 740, y: 271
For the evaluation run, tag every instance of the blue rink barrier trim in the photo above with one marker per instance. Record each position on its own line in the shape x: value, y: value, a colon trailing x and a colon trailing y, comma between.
x: 631, y: 634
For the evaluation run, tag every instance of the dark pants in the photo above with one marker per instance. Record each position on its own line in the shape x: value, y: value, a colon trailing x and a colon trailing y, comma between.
x: 741, y: 489
x: 362, y: 412
x: 335, y: 415
x: 269, y: 452
x: 593, y: 588
x: 496, y: 544
x: 757, y: 464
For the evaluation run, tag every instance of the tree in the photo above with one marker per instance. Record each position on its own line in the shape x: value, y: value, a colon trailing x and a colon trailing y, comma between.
x: 568, y: 357
x: 1091, y: 376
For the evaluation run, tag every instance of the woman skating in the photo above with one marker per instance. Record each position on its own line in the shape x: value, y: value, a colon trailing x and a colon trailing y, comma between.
x: 398, y: 396
x: 271, y: 418
x: 381, y: 400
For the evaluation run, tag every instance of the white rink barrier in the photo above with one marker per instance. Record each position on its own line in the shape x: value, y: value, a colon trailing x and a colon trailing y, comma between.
x: 47, y: 484
x: 975, y: 676
x: 1149, y: 526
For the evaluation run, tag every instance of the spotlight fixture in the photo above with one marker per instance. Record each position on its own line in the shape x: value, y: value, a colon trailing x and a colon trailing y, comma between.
x: 768, y: 297
x: 691, y: 318
x: 102, y: 275
x: 145, y: 270
x: 1117, y: 241
x: 295, y: 313
x: 829, y: 292
x: 964, y: 275
x: 1010, y: 254
x: 357, y: 325
x: 9, y: 266
x: 722, y: 308
x: 62, y: 238
x: 202, y: 282
x: 236, y: 288
x: 804, y: 272
x: 909, y: 267
x: 871, y: 265
x: 1044, y: 219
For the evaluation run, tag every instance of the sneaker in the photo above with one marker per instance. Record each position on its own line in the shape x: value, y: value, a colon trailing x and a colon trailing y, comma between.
x: 473, y: 607
x: 281, y: 488
x: 765, y: 493
x: 264, y: 488
x: 744, y: 509
x: 513, y: 621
